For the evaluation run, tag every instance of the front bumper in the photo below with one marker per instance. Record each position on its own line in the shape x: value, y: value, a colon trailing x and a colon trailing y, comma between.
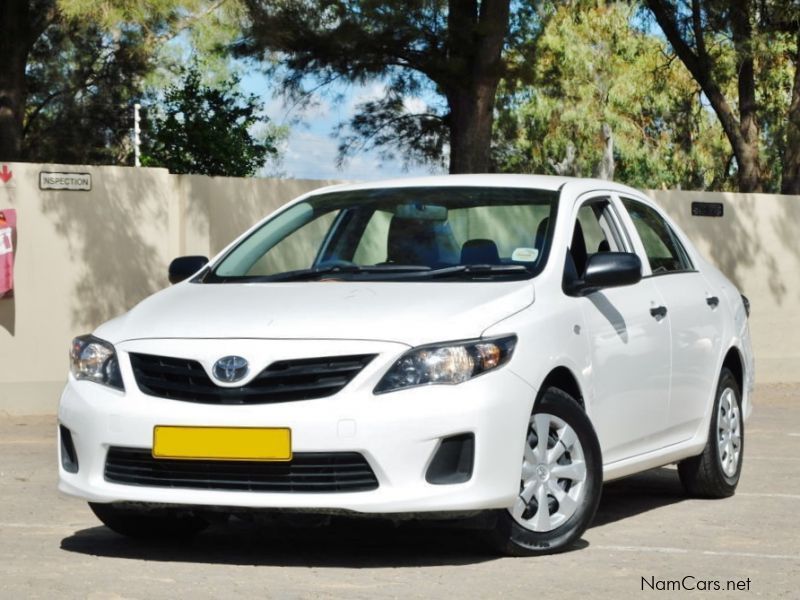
x: 398, y: 433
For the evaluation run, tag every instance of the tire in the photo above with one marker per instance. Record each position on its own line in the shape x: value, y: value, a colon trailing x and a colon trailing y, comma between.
x: 715, y: 472
x: 524, y: 530
x: 155, y: 524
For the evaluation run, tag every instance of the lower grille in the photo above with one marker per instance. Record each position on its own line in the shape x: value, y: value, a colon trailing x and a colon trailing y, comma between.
x: 307, y: 472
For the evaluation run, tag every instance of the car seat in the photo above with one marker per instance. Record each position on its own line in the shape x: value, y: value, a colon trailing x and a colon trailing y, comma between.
x: 479, y: 252
x: 541, y: 232
x: 412, y: 242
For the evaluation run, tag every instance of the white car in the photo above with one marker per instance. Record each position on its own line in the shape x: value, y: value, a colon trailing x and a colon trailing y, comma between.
x: 450, y: 346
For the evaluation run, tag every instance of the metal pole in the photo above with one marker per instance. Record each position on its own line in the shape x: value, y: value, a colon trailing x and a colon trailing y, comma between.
x: 136, y: 139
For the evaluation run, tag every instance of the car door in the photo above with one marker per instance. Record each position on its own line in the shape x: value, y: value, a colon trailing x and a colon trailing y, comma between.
x: 629, y: 346
x: 694, y: 317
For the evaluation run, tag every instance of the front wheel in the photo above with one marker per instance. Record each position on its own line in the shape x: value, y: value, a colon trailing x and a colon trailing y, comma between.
x: 715, y: 472
x: 560, y: 484
x: 161, y: 523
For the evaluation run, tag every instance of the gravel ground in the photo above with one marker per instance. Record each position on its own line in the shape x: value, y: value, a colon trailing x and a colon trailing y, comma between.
x: 646, y: 533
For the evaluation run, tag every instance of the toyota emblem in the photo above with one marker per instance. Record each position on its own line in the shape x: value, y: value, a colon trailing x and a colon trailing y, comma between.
x: 230, y: 368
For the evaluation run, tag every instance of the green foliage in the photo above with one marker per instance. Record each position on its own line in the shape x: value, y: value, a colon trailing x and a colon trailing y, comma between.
x: 592, y: 68
x: 776, y: 59
x: 207, y: 130
x: 93, y: 60
x: 110, y: 13
x: 81, y: 85
x: 745, y: 55
x: 169, y: 30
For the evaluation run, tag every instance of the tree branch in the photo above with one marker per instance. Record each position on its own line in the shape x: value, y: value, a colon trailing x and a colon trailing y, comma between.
x: 185, y: 23
x: 663, y: 12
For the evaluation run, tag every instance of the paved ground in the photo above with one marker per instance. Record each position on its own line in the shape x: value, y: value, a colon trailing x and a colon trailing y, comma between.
x: 51, y: 546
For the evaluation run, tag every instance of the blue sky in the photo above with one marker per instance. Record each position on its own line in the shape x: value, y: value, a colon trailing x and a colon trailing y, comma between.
x: 310, y: 150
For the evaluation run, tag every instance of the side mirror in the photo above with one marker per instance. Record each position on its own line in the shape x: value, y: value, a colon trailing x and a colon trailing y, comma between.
x: 184, y: 267
x: 608, y: 269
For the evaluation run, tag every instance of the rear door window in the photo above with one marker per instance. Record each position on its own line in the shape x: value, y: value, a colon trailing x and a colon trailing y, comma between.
x: 664, y: 251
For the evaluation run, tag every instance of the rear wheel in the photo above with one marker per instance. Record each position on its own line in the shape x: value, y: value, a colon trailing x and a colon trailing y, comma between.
x: 715, y: 472
x: 161, y: 523
x: 560, y: 484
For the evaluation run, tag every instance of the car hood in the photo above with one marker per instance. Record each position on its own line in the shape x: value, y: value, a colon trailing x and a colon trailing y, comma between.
x: 409, y: 312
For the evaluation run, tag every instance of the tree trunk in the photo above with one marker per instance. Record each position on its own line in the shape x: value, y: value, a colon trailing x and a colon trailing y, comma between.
x: 476, y: 32
x: 747, y: 158
x: 790, y: 183
x: 21, y: 24
x: 471, y: 116
x: 14, y: 47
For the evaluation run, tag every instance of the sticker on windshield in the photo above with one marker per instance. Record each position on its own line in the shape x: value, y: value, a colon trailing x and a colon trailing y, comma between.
x: 525, y: 255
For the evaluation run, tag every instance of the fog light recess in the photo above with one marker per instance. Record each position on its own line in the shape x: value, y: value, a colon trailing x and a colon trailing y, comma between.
x: 453, y: 460
x: 69, y: 458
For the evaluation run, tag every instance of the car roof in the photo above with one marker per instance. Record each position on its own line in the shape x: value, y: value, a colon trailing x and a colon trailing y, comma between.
x: 542, y: 182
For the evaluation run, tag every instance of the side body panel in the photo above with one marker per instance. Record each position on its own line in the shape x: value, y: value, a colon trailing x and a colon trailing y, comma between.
x: 697, y: 328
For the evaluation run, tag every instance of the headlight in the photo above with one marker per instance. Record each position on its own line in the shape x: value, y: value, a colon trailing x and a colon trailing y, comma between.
x: 96, y: 360
x: 449, y: 363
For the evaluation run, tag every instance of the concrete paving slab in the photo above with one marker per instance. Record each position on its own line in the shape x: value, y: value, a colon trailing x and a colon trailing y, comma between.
x: 647, y: 537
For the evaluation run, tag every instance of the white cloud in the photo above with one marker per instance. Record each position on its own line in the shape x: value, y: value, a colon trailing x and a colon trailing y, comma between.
x: 365, y: 93
x: 415, y: 104
x: 313, y: 156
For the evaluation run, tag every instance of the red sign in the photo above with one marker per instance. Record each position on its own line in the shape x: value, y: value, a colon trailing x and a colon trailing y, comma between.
x: 6, y: 174
x: 8, y: 224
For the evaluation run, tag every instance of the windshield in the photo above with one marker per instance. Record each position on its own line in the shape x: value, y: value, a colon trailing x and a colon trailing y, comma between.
x: 420, y: 233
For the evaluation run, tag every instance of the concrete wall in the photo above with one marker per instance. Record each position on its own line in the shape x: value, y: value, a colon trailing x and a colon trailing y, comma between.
x: 757, y: 245
x: 84, y: 257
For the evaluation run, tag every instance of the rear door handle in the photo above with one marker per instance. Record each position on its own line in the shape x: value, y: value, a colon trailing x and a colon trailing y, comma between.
x: 659, y: 312
x: 712, y: 301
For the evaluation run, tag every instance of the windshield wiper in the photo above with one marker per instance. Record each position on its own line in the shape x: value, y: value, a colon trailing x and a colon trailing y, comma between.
x: 413, y: 272
x: 477, y: 271
x: 338, y: 269
x: 388, y: 271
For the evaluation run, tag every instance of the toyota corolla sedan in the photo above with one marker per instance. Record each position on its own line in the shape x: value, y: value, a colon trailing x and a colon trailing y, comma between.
x: 461, y: 346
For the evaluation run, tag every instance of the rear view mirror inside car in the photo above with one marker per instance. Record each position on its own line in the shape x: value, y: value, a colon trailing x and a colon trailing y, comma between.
x: 422, y: 212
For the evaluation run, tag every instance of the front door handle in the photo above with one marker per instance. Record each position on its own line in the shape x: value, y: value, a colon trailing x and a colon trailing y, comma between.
x: 712, y: 301
x: 659, y: 312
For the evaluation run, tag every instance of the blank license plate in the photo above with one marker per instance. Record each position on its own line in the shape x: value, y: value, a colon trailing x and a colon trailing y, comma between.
x: 222, y: 443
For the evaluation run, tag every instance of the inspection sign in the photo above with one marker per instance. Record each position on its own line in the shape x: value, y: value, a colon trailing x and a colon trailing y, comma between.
x: 76, y: 182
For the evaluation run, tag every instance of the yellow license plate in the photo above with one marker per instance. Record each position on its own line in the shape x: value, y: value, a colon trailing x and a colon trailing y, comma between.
x: 222, y: 443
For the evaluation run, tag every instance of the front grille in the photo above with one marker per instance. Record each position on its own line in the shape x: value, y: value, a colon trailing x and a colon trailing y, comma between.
x: 307, y: 472
x: 282, y: 381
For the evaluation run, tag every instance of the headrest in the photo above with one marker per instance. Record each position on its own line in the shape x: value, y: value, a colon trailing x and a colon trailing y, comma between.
x: 541, y: 231
x: 412, y: 242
